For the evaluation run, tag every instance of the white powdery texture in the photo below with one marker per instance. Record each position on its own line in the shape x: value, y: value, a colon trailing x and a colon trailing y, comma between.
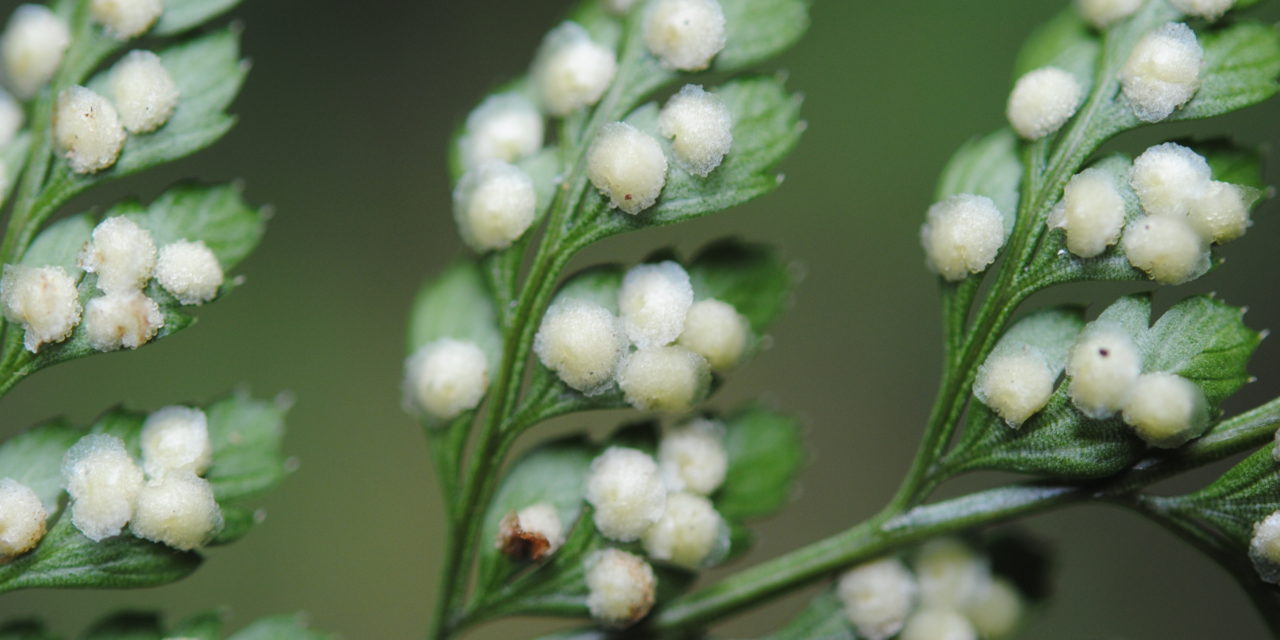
x: 628, y: 166
x: 962, y: 235
x: 103, y: 482
x: 1264, y: 548
x: 621, y: 587
x: 685, y: 34
x: 121, y: 253
x: 121, y: 320
x: 1208, y: 9
x: 446, y: 377
x: 1015, y: 383
x: 997, y: 614
x: 1162, y: 72
x: 1101, y: 13
x: 700, y: 128
x: 1102, y: 366
x: 178, y: 510
x: 689, y: 534
x: 877, y: 597
x: 87, y: 129
x: 582, y: 342
x: 125, y: 19
x: 1042, y: 101
x: 933, y: 623
x: 1166, y: 410
x: 33, y: 44
x: 1168, y: 249
x: 717, y: 332
x: 1221, y: 213
x: 144, y: 92
x: 43, y: 299
x: 1091, y: 213
x: 951, y: 575
x: 494, y: 204
x: 1168, y: 179
x: 693, y: 458
x: 11, y: 118
x: 654, y: 302
x: 176, y: 439
x: 626, y: 491
x: 570, y: 70
x: 670, y: 379
x: 22, y: 518
x: 506, y: 127
x: 190, y: 271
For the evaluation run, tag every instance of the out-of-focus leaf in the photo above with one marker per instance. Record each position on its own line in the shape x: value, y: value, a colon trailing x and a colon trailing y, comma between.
x: 986, y: 166
x: 1241, y: 67
x: 757, y: 30
x: 285, y: 627
x: 34, y: 458
x: 823, y: 619
x: 127, y: 625
x: 765, y: 452
x: 1065, y: 42
x: 456, y: 304
x: 182, y: 15
x: 751, y: 277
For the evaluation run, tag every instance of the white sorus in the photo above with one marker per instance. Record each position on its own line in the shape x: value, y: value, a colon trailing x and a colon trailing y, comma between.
x: 1042, y: 101
x: 997, y: 614
x: 1102, y: 365
x: 1264, y: 548
x: 103, y: 482
x: 626, y: 491
x: 1162, y: 72
x: 177, y: 509
x: 951, y: 574
x: 654, y: 302
x: 10, y: 118
x: 493, y: 205
x: 570, y: 70
x: 621, y: 587
x: 938, y: 624
x: 1221, y: 213
x: 689, y: 534
x: 685, y: 34
x: 1015, y: 383
x: 121, y: 320
x: 1166, y: 410
x: 33, y: 44
x: 1091, y: 213
x: 693, y: 458
x: 671, y: 379
x: 43, y: 299
x: 533, y: 532
x: 144, y: 93
x: 628, y: 166
x: 877, y: 597
x: 176, y: 439
x: 125, y: 19
x: 506, y: 127
x: 700, y: 127
x: 717, y: 332
x: 87, y: 129
x: 1101, y: 13
x: 1209, y: 9
x: 22, y: 518
x: 121, y: 253
x: 1168, y: 249
x: 190, y: 271
x: 962, y: 235
x: 582, y: 342
x: 446, y: 377
x: 1169, y: 178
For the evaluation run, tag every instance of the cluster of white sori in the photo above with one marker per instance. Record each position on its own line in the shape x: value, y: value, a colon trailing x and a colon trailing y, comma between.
x: 1183, y: 211
x: 1105, y: 370
x: 660, y: 349
x: 89, y: 129
x: 165, y: 499
x: 663, y: 504
x: 123, y: 256
x: 949, y: 593
x: 1103, y: 13
x: 962, y: 235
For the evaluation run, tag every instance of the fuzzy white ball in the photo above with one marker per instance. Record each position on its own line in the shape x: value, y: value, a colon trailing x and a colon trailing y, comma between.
x: 178, y: 510
x: 190, y: 271
x: 125, y: 19
x: 122, y: 320
x: 446, y: 377
x: 22, y: 518
x: 693, y: 458
x: 506, y: 127
x: 685, y: 34
x: 1103, y: 364
x: 1166, y: 410
x: 717, y: 332
x: 103, y: 482
x: 1091, y: 213
x: 962, y: 235
x: 1221, y: 213
x: 1168, y: 249
x: 877, y: 597
x: 494, y: 205
x: 628, y: 166
x: 144, y: 92
x: 121, y: 253
x: 1264, y: 548
x: 44, y: 300
x: 33, y: 44
x: 87, y: 130
x: 1162, y: 72
x: 621, y: 587
x: 176, y: 439
x: 1042, y: 101
x: 689, y: 534
x: 654, y: 301
x: 1102, y: 13
x: 700, y: 127
x: 571, y: 71
x: 938, y: 623
x: 582, y: 342
x: 997, y: 613
x: 1016, y: 384
x: 670, y: 379
x: 1169, y: 178
x: 950, y: 573
x: 626, y: 490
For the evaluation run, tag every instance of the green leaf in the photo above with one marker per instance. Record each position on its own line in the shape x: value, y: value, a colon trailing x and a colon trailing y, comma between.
x: 204, y: 626
x: 456, y: 304
x: 765, y: 452
x: 554, y: 472
x: 1050, y: 331
x: 751, y: 277
x: 183, y: 15
x: 756, y: 30
x: 823, y: 619
x: 1245, y: 494
x: 34, y: 458
x: 1241, y: 66
x: 26, y: 630
x: 216, y: 215
x: 986, y: 166
x: 248, y: 439
x: 1204, y: 340
x: 1066, y: 42
x: 59, y: 245
x: 1231, y: 162
x: 127, y: 625
x: 598, y: 284
x: 286, y: 627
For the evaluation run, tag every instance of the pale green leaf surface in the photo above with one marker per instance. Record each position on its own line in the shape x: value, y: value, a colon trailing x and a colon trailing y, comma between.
x: 1245, y: 494
x: 127, y: 625
x: 34, y: 458
x: 182, y: 15
x: 204, y: 626
x: 751, y: 277
x: 823, y: 619
x: 1066, y: 42
x: 756, y: 30
x: 59, y: 245
x: 1241, y: 67
x: 286, y: 627
x: 1204, y: 340
x: 765, y: 452
x: 986, y: 166
x: 456, y: 304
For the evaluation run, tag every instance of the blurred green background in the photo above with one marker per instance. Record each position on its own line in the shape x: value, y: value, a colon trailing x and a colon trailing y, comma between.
x: 344, y: 124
